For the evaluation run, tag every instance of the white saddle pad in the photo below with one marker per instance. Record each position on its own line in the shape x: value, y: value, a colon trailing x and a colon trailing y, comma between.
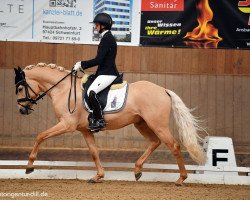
x: 116, y: 100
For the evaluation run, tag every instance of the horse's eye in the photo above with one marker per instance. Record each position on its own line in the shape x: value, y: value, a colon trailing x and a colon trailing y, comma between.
x: 20, y: 89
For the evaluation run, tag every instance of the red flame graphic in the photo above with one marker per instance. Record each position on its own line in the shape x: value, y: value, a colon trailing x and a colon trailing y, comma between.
x: 205, y: 32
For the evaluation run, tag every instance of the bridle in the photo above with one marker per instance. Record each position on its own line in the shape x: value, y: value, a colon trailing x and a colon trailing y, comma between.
x: 28, y: 98
x: 27, y: 95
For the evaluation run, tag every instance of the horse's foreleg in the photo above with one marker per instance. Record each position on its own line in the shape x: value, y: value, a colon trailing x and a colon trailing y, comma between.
x: 90, y: 140
x: 58, y: 129
x: 143, y: 128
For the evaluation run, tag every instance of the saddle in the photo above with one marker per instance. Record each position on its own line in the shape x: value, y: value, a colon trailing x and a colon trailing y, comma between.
x: 112, y: 98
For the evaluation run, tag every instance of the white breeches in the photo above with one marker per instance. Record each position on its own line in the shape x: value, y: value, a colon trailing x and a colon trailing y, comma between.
x: 100, y: 83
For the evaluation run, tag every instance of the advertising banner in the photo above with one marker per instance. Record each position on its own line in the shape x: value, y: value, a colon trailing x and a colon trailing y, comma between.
x: 196, y: 23
x: 175, y: 23
x: 16, y: 20
x: 67, y: 21
x: 62, y: 21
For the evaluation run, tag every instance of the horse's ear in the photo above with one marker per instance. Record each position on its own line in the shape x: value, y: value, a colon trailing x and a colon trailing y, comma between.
x: 20, y: 75
x: 16, y: 70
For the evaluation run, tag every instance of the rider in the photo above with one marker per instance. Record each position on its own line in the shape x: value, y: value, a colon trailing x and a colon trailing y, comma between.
x: 106, y: 72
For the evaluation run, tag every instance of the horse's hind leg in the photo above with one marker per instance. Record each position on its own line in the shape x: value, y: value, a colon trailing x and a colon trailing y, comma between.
x: 165, y: 136
x: 143, y: 128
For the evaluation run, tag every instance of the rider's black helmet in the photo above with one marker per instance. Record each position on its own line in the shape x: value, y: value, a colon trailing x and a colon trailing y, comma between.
x: 104, y: 19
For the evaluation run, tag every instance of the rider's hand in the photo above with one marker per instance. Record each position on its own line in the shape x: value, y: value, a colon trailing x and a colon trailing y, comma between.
x: 77, y: 66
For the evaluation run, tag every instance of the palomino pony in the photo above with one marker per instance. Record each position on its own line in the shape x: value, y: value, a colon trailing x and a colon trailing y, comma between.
x: 148, y: 107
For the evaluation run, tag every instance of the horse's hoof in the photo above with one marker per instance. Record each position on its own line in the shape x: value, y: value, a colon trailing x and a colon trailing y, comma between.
x: 178, y: 184
x: 138, y: 176
x: 29, y: 170
x: 94, y: 181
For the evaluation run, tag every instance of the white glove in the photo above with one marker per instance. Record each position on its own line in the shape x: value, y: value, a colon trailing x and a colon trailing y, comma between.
x: 77, y: 66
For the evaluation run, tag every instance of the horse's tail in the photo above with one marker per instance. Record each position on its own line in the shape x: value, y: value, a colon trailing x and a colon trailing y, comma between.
x: 188, y: 126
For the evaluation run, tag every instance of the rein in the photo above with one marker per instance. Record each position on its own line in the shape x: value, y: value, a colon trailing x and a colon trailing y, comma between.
x: 71, y: 81
x: 40, y: 96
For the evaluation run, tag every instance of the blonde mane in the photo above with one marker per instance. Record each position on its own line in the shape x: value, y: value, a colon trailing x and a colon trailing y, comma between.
x: 51, y: 65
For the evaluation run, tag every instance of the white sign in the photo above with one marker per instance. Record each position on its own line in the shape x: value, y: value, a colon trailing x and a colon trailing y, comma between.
x: 67, y: 21
x: 220, y: 153
x: 16, y: 20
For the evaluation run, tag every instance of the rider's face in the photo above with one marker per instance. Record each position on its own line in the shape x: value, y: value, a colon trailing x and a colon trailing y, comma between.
x: 97, y: 27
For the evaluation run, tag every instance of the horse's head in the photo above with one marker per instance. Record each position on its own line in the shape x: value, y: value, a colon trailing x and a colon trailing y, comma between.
x: 27, y: 91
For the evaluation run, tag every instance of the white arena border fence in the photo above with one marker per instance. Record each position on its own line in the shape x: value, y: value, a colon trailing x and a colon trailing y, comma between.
x: 197, y: 174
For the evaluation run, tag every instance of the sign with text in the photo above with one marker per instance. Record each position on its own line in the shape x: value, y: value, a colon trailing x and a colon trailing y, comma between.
x: 66, y: 21
x: 11, y: 12
x: 166, y: 5
x: 195, y: 23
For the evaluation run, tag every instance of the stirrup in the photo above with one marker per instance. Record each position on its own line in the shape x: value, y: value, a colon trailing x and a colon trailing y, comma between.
x: 97, y: 125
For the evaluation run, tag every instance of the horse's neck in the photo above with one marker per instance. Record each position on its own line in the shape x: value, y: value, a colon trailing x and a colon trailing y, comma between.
x: 47, y: 78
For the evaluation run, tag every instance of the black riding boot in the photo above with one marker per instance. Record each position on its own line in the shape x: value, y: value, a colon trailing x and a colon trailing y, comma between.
x: 96, y: 120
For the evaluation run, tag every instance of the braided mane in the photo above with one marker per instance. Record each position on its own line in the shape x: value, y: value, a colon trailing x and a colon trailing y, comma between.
x: 51, y: 65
